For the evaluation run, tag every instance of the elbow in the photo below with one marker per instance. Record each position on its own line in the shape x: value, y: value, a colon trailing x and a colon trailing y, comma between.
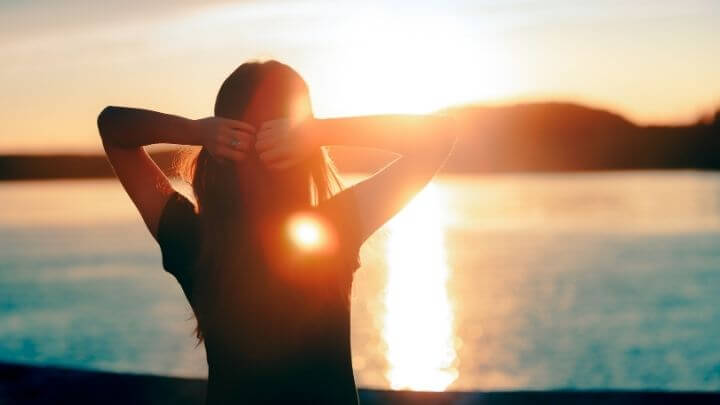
x: 105, y: 118
x: 106, y: 122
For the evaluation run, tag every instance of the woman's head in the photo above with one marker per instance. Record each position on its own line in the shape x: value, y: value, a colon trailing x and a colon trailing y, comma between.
x: 237, y: 199
x: 254, y: 93
x: 257, y: 92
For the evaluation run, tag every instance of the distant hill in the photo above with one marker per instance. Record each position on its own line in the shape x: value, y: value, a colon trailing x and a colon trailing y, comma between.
x: 522, y: 137
x: 28, y: 167
x: 562, y: 137
x: 566, y: 137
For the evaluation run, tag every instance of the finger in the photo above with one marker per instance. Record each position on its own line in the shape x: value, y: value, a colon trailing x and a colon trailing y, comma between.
x: 223, y: 139
x: 267, y: 143
x: 261, y: 136
x: 239, y: 146
x: 277, y: 123
x: 236, y: 124
x: 234, y: 144
x: 272, y: 155
x: 229, y: 142
x: 245, y: 136
x: 230, y: 137
x: 268, y: 125
x: 231, y: 154
x: 283, y: 164
x: 240, y: 135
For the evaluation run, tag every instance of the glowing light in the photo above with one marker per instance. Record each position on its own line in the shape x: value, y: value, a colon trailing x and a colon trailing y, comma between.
x: 418, y: 324
x: 308, y: 232
x: 401, y: 66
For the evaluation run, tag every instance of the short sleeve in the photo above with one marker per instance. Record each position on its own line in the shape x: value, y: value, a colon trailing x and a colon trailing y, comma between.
x: 341, y: 211
x: 178, y: 237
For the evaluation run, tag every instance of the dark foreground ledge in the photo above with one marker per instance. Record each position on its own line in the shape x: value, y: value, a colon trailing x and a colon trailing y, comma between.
x: 24, y: 384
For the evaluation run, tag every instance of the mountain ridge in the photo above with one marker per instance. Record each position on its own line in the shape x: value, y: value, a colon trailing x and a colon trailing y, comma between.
x: 526, y: 137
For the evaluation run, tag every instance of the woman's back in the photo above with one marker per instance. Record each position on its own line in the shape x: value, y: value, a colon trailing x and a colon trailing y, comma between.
x: 281, y: 331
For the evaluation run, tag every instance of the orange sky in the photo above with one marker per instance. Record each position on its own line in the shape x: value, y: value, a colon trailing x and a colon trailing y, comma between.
x: 653, y: 61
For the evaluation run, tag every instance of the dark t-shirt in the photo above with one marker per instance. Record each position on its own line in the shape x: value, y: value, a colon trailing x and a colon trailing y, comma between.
x: 284, y: 333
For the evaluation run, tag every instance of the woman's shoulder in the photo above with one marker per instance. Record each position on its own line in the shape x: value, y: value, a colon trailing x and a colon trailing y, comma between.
x: 178, y: 233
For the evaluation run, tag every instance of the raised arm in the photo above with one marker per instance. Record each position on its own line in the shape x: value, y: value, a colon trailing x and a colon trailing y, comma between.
x: 125, y: 132
x: 424, y: 142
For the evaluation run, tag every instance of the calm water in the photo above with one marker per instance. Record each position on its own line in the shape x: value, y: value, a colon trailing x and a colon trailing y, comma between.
x: 500, y: 282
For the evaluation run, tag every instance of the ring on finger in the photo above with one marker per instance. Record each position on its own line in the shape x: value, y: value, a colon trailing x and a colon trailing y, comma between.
x: 235, y: 143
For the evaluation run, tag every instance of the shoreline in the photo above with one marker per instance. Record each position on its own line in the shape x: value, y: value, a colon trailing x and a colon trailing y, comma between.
x: 33, y: 384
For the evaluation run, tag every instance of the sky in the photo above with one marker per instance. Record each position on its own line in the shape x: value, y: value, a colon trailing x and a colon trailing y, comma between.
x: 655, y: 62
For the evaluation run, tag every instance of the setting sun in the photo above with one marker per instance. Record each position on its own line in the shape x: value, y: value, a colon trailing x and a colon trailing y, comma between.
x: 401, y: 66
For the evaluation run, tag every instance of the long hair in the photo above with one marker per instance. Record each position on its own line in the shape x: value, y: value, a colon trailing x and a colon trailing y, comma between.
x: 237, y: 200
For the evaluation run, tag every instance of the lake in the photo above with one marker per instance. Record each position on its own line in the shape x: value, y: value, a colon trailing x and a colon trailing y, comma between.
x: 513, y: 281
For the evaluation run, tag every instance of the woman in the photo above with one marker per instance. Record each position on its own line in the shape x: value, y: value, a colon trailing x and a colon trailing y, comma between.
x: 272, y: 305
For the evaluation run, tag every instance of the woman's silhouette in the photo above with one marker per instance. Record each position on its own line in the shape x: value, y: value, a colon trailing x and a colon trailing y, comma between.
x: 274, y: 312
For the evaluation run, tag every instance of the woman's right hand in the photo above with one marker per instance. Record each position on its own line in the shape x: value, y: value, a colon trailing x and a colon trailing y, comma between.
x: 282, y: 144
x: 224, y: 138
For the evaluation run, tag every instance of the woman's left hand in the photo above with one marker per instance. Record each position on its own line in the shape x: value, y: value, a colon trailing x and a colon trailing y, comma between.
x: 282, y: 144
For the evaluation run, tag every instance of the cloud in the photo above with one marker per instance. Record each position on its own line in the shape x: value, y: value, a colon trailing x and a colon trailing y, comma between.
x: 21, y: 20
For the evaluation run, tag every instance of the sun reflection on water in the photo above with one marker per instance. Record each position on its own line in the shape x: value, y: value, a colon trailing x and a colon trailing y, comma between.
x: 418, y: 323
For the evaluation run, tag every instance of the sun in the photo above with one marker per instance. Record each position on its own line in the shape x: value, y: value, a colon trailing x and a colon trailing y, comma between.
x: 411, y: 65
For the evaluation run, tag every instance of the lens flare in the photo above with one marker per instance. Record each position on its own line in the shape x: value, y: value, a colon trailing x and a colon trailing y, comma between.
x: 309, y: 233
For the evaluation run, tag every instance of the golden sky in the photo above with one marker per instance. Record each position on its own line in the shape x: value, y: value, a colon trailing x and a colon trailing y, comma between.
x: 62, y: 62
